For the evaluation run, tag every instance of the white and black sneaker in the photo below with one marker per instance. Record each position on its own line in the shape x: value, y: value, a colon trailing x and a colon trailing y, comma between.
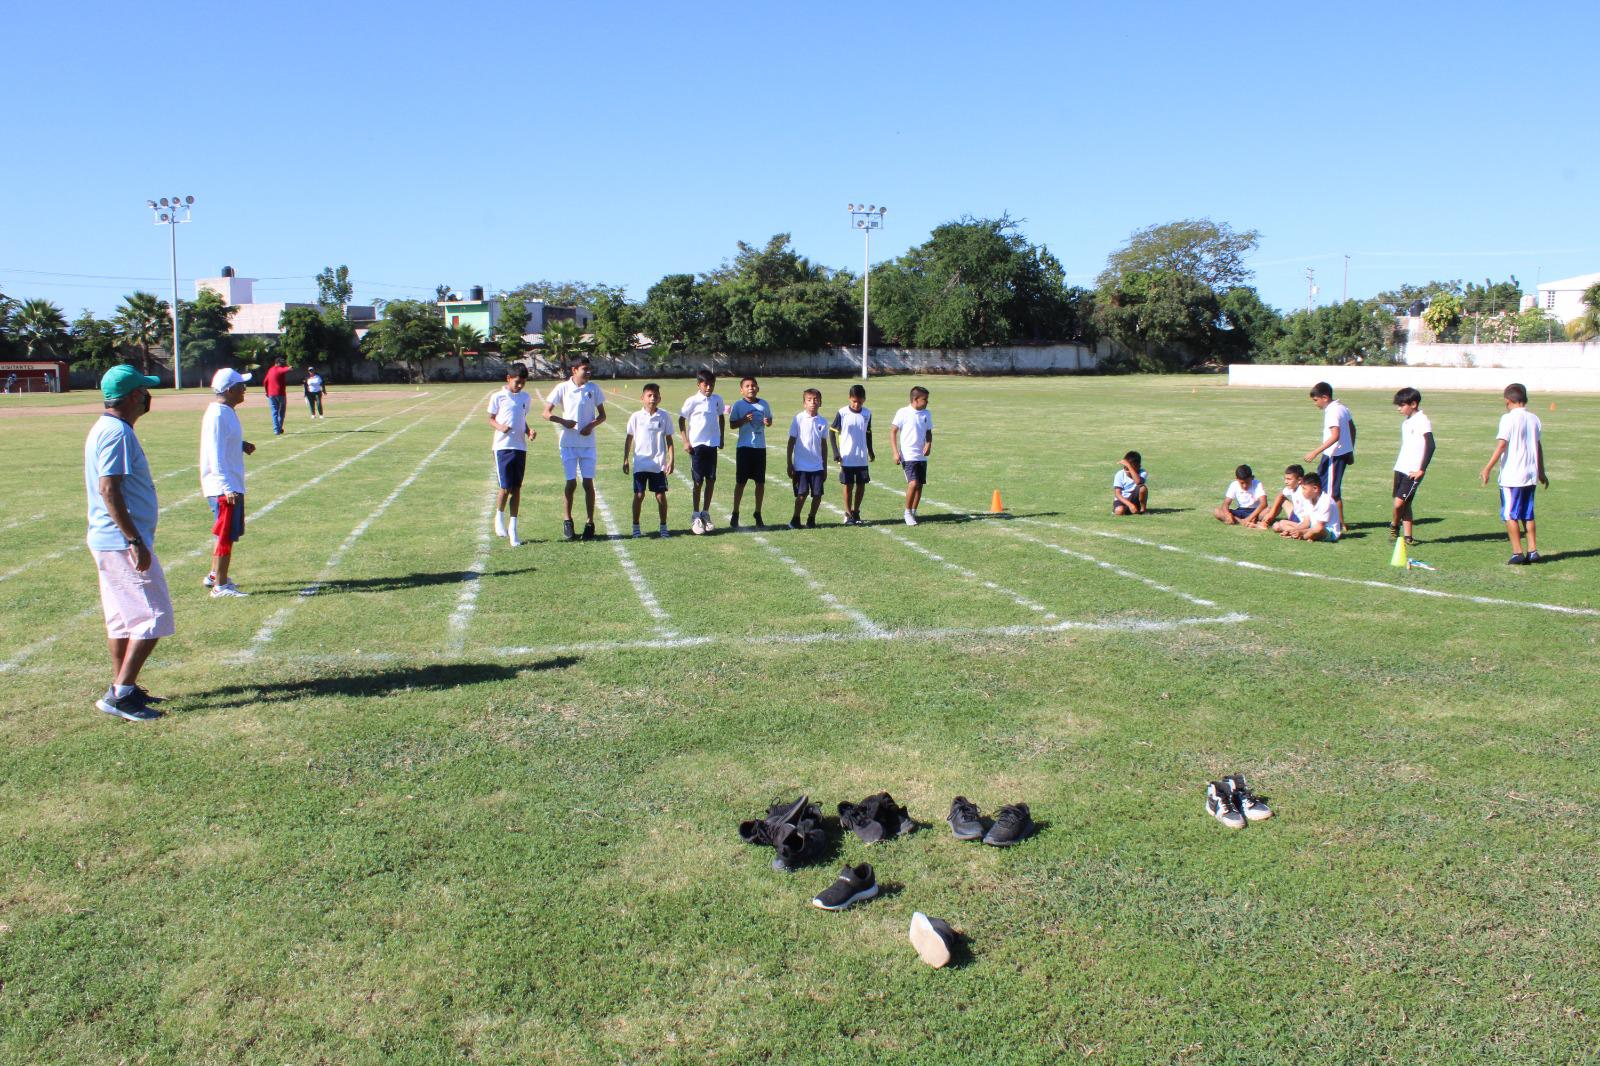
x: 698, y: 526
x: 1223, y: 805
x: 854, y: 884
x: 132, y: 708
x: 227, y: 590
x: 1253, y: 807
x: 933, y: 938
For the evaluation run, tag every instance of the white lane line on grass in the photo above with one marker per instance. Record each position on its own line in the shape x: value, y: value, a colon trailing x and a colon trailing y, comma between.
x: 15, y: 522
x: 256, y: 516
x: 270, y: 628
x: 191, y: 497
x: 472, y: 577
x: 1245, y: 564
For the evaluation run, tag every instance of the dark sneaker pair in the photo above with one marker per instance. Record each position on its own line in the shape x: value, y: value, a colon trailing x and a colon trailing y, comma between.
x: 1232, y: 802
x: 1012, y: 823
x: 134, y: 707
x: 876, y: 818
x: 933, y: 938
x: 854, y: 884
x: 794, y: 830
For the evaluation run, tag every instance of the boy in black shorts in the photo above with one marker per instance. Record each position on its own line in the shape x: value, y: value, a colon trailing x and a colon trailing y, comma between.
x: 751, y: 416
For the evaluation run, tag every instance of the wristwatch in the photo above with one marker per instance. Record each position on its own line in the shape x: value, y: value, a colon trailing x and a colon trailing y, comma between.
x: 135, y: 542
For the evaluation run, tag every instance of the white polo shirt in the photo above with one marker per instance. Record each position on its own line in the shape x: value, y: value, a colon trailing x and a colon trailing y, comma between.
x: 1412, y: 445
x: 913, y: 427
x: 702, y: 415
x: 1239, y: 495
x: 580, y: 404
x: 512, y: 409
x: 221, y: 450
x: 810, y: 433
x: 1337, y: 416
x: 1322, y: 513
x: 650, y: 433
x: 853, y: 427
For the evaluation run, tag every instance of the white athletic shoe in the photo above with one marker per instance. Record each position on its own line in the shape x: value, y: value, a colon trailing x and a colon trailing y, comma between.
x: 227, y: 590
x: 911, y: 518
x: 209, y: 582
x: 697, y: 526
x: 705, y: 521
x: 499, y: 524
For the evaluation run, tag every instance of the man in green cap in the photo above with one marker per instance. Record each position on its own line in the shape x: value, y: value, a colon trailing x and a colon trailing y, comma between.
x: 122, y: 536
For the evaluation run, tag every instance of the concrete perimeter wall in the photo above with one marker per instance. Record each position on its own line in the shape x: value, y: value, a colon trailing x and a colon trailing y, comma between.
x: 1426, y: 378
x: 1558, y: 356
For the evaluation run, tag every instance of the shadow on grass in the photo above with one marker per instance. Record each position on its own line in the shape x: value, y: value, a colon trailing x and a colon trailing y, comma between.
x: 1150, y: 511
x: 1466, y: 538
x: 969, y: 516
x: 436, y: 677
x: 397, y: 582
x: 1385, y: 525
x: 1561, y: 557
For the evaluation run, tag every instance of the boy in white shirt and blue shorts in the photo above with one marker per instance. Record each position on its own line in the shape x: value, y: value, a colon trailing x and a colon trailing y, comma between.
x: 852, y: 450
x: 1244, y: 500
x: 508, y: 414
x: 911, y: 438
x: 808, y: 457
x: 1416, y: 452
x: 648, y: 446
x: 702, y: 420
x: 1518, y: 443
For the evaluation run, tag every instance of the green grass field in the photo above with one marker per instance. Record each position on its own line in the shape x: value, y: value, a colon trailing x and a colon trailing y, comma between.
x: 474, y: 802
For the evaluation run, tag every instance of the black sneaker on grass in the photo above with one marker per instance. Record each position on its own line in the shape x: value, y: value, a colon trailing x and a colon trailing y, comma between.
x: 794, y: 523
x: 965, y: 821
x: 566, y: 530
x: 1531, y: 558
x: 145, y: 696
x: 1223, y: 805
x: 1011, y: 825
x: 811, y: 523
x: 854, y: 884
x: 933, y: 938
x: 588, y: 531
x: 1253, y: 807
x: 757, y: 519
x: 1517, y: 560
x: 129, y: 708
x: 876, y: 818
x: 733, y: 520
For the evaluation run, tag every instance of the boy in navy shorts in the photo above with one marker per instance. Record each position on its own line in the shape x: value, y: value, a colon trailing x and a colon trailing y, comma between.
x: 911, y: 438
x: 1338, y: 447
x: 648, y: 446
x: 852, y: 450
x: 702, y: 420
x: 1520, y: 452
x: 808, y: 458
x: 508, y: 414
x: 751, y: 416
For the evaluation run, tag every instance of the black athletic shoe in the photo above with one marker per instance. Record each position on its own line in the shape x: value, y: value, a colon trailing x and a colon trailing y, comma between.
x: 811, y: 523
x: 1532, y: 557
x: 1011, y: 825
x: 933, y: 938
x: 733, y: 520
x: 1517, y: 560
x: 757, y: 519
x: 129, y: 708
x: 588, y: 531
x: 1223, y: 805
x: 1253, y: 807
x: 797, y: 844
x: 876, y: 818
x: 854, y: 884
x: 965, y: 821
x: 145, y: 696
x: 794, y: 523
x: 566, y: 530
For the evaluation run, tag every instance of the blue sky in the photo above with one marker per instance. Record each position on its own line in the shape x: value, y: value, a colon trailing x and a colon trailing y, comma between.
x: 496, y: 144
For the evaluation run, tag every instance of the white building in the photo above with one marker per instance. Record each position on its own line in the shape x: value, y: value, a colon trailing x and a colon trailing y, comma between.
x: 261, y: 320
x: 1563, y: 298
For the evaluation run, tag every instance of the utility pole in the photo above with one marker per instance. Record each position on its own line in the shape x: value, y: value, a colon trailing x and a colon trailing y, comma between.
x: 865, y: 218
x: 1346, y: 297
x: 166, y: 214
x: 1311, y: 287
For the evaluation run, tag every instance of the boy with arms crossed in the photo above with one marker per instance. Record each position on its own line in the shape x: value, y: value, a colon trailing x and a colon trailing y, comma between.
x: 911, y: 438
x: 852, y: 450
x: 648, y: 445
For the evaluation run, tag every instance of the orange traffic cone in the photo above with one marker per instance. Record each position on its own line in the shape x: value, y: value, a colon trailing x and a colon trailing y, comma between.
x: 1552, y: 406
x: 995, y: 506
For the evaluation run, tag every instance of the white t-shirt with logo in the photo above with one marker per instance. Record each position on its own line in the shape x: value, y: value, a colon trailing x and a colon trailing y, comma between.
x: 1412, y: 446
x: 650, y: 433
x: 913, y: 427
x: 1322, y: 513
x: 853, y: 427
x: 580, y: 404
x: 1519, y: 428
x: 703, y: 417
x: 1337, y: 416
x: 1244, y: 495
x: 810, y: 433
x: 511, y: 408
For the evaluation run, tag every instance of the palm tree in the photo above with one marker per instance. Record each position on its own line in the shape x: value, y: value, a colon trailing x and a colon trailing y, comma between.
x: 464, y: 338
x: 144, y: 321
x: 563, y: 339
x: 40, y: 329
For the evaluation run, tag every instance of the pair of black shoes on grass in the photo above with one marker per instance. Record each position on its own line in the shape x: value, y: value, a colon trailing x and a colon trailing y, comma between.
x: 1233, y: 802
x: 793, y: 830
x: 1010, y: 825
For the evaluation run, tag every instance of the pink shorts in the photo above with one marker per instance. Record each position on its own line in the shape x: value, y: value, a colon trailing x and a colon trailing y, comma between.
x: 136, y: 605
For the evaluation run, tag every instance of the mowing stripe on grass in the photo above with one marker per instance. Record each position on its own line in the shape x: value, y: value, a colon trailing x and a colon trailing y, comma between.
x: 472, y: 577
x: 15, y: 522
x: 270, y: 628
x: 1491, y: 601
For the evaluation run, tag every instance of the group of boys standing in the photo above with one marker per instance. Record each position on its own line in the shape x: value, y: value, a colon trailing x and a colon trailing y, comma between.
x: 649, y: 449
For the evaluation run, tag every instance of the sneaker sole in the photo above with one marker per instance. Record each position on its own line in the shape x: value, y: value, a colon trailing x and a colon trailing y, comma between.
x: 116, y: 713
x: 930, y: 946
x: 1227, y: 824
x: 959, y: 835
x: 1256, y: 817
x: 1008, y: 843
x: 865, y: 893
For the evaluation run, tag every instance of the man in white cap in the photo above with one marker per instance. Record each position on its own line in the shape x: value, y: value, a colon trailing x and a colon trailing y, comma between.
x: 122, y: 536
x: 222, y: 452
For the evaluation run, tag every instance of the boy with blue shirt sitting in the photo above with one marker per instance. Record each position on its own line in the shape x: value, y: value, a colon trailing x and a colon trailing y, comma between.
x: 1130, y: 491
x: 751, y: 416
x: 852, y: 450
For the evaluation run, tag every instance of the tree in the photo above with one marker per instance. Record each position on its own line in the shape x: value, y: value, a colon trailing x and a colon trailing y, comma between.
x: 1208, y: 252
x: 508, y: 330
x: 253, y: 352
x: 94, y: 341
x: 301, y: 336
x: 144, y: 321
x: 1406, y: 299
x: 7, y: 341
x: 1247, y: 328
x: 563, y: 339
x: 674, y: 314
x: 1443, y: 315
x: 338, y: 338
x: 463, y: 340
x: 412, y: 331
x: 1586, y: 327
x: 1350, y: 332
x: 40, y: 331
x: 616, y: 322
x: 1164, y: 319
x: 441, y: 293
x: 334, y: 288
x: 205, y: 324
x: 561, y: 293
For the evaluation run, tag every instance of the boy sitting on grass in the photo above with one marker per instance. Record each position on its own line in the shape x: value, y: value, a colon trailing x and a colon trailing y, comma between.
x: 1289, y: 501
x: 1129, y: 489
x: 1243, y: 500
x: 1319, y: 520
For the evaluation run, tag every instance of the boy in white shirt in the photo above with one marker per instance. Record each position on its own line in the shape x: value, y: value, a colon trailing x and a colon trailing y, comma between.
x: 1319, y: 520
x: 1243, y: 500
x: 751, y: 416
x: 1416, y: 452
x: 808, y: 457
x: 222, y: 452
x: 508, y: 414
x: 1130, y: 488
x: 583, y: 409
x: 852, y: 450
x: 648, y: 445
x: 1517, y: 443
x: 1338, y: 447
x: 911, y: 437
x: 702, y: 420
x: 1290, y: 501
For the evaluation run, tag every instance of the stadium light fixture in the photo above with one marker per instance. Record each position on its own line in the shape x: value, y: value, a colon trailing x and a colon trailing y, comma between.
x: 170, y: 219
x: 865, y: 218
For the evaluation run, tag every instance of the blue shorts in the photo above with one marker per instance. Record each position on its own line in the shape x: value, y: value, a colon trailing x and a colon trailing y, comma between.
x: 917, y: 471
x: 1242, y: 512
x: 1516, y: 503
x: 853, y: 475
x: 1331, y: 470
x: 810, y: 482
x: 512, y: 463
x: 237, y: 526
x: 649, y: 481
x: 703, y: 462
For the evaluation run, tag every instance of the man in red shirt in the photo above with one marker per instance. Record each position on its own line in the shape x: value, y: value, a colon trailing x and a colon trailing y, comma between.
x: 274, y: 379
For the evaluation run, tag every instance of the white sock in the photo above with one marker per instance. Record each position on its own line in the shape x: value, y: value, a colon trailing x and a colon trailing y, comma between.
x: 511, y: 527
x: 119, y: 691
x: 499, y: 524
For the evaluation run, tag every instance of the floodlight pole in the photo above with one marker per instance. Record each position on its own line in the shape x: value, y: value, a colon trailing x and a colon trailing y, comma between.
x: 866, y: 219
x: 166, y: 214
